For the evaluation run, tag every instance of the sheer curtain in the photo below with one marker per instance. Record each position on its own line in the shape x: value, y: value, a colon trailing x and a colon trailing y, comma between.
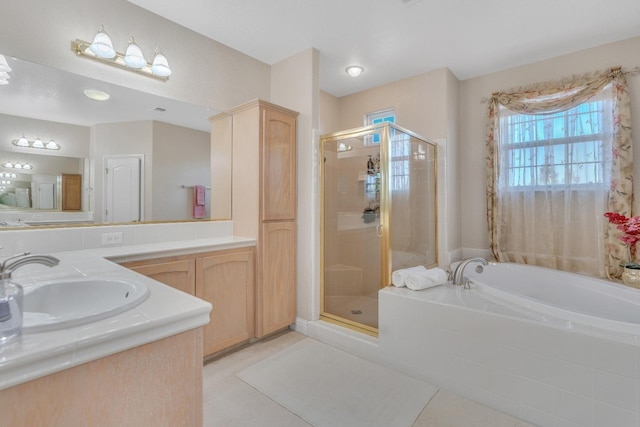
x: 559, y: 157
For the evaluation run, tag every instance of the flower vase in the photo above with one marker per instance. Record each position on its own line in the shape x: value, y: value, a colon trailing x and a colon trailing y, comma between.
x: 631, y: 277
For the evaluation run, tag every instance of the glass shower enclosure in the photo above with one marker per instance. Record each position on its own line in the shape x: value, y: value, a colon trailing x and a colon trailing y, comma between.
x: 378, y: 198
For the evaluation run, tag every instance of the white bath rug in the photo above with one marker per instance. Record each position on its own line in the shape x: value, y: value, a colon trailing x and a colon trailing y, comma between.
x: 332, y: 388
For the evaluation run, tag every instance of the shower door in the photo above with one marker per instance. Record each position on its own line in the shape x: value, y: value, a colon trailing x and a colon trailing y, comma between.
x: 378, y: 214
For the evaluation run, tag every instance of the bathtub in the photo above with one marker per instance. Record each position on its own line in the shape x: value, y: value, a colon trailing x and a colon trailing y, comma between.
x: 549, y: 347
x: 575, y: 298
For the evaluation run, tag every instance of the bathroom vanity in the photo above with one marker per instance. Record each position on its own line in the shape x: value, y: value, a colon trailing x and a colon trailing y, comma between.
x: 139, y: 367
x: 226, y: 279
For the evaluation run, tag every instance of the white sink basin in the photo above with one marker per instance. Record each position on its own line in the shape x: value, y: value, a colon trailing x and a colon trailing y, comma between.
x: 67, y: 303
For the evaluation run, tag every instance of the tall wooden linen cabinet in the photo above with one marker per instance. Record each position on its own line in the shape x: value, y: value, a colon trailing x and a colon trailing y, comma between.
x: 259, y: 193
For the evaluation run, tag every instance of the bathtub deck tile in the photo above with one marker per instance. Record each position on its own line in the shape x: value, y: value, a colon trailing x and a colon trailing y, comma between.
x: 537, y: 396
x: 574, y: 408
x: 504, y: 384
x: 574, y: 378
x: 538, y: 418
x: 537, y: 367
x: 616, y: 390
x: 615, y: 358
x: 608, y: 415
x: 574, y: 347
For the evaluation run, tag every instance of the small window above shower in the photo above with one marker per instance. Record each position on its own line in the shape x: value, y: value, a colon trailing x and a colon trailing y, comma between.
x: 375, y: 118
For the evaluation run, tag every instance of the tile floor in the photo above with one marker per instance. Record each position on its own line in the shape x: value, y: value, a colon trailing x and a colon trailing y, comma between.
x: 229, y: 402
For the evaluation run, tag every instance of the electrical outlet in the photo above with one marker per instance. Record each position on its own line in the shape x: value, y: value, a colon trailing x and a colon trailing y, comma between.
x: 112, y: 238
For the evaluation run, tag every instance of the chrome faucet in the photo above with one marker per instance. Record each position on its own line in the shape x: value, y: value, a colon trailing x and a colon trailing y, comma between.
x: 6, y: 268
x: 458, y: 274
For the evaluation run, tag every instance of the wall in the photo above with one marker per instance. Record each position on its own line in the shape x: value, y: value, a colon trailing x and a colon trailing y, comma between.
x: 473, y: 121
x: 420, y: 103
x: 205, y: 72
x: 181, y: 157
x: 329, y: 113
x: 295, y: 85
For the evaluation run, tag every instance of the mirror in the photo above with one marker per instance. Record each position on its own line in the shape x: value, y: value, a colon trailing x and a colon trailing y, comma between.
x: 170, y: 138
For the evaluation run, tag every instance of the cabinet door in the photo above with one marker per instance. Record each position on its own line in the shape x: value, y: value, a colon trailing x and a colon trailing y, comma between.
x: 177, y: 274
x: 71, y: 192
x: 226, y: 280
x: 276, y: 296
x: 278, y: 166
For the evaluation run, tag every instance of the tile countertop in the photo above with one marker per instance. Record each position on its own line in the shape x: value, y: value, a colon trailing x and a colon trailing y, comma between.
x: 164, y: 313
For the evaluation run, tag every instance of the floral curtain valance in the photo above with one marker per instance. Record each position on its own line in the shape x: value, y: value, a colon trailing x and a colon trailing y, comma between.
x: 549, y: 98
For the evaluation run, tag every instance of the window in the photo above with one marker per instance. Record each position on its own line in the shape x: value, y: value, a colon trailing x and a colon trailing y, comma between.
x: 564, y: 148
x: 376, y: 118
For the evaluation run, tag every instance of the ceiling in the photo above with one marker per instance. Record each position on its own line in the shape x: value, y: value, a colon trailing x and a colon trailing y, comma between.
x: 395, y: 39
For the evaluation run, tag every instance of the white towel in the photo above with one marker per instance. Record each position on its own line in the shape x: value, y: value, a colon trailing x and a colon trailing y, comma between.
x: 399, y: 277
x: 418, y: 281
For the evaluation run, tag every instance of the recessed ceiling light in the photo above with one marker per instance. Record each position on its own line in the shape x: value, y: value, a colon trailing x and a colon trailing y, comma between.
x: 96, y: 95
x: 354, y: 70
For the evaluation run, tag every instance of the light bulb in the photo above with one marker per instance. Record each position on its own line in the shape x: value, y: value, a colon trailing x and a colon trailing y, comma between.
x: 22, y: 142
x: 38, y: 143
x: 102, y: 46
x: 52, y: 145
x: 160, y: 66
x: 134, y: 57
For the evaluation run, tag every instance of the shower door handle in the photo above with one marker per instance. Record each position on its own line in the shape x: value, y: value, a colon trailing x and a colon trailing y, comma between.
x: 379, y: 230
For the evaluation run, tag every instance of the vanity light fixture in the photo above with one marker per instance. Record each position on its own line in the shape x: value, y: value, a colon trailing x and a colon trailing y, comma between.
x: 23, y: 142
x: 101, y: 49
x: 4, y: 71
x: 8, y: 175
x: 25, y: 166
x: 354, y: 70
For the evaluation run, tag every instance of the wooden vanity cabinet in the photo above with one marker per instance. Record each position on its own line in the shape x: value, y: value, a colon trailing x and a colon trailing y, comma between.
x: 259, y: 140
x: 226, y: 279
x: 179, y: 274
x: 277, y: 305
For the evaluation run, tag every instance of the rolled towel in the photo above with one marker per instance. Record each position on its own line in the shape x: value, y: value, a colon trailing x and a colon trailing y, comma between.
x: 418, y: 281
x: 399, y: 277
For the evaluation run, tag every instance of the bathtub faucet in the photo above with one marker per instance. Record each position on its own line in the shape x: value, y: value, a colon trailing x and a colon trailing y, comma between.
x: 458, y: 274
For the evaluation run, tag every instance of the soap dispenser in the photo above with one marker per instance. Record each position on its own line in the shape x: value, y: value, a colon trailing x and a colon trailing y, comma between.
x: 11, y: 294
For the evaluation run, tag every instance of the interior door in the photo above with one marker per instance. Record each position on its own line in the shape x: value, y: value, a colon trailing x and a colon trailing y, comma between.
x: 123, y: 189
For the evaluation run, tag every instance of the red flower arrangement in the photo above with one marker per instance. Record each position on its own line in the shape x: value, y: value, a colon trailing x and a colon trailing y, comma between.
x: 631, y: 229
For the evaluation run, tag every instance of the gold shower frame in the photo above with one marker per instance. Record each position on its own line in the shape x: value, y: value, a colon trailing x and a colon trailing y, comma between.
x: 385, y: 210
